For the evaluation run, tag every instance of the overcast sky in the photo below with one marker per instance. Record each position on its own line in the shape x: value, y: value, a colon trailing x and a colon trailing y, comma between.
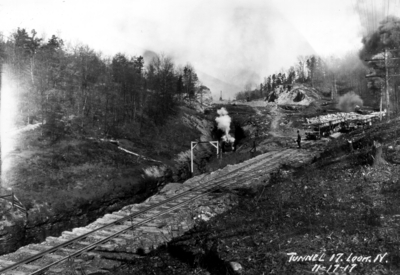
x: 232, y: 40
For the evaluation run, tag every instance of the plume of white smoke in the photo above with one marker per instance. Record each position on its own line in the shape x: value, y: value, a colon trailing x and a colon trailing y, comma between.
x: 224, y: 123
x: 223, y: 112
x: 349, y: 101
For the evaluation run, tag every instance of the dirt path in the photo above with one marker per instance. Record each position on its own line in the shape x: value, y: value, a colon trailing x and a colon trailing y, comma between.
x: 276, y: 119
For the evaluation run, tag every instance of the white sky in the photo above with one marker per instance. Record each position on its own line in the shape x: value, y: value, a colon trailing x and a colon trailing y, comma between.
x: 227, y: 39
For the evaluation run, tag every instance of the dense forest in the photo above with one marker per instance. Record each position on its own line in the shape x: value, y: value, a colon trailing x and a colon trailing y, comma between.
x: 362, y: 72
x: 75, y: 89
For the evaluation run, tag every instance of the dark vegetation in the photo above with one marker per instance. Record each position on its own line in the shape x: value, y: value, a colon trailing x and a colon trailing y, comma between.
x: 72, y: 172
x: 75, y: 171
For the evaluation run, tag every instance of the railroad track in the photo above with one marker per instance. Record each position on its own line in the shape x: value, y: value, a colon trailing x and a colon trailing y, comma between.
x: 45, y: 257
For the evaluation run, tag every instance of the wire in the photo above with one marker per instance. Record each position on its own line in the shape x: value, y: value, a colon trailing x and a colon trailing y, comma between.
x: 387, y: 10
x: 374, y: 19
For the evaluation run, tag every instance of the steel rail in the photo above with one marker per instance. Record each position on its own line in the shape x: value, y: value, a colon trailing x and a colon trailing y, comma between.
x: 214, y: 183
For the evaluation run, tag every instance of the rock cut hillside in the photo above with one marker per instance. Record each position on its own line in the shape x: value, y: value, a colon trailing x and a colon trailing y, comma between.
x: 298, y: 94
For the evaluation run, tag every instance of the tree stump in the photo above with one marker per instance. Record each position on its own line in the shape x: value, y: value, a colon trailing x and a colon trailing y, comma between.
x: 377, y: 151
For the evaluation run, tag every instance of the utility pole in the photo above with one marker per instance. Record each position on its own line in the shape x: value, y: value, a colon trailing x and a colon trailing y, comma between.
x: 201, y: 97
x: 387, y: 84
x: 334, y: 92
x: 387, y: 77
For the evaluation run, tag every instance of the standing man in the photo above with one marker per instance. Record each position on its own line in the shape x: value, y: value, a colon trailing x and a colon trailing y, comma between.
x: 298, y: 139
x: 351, y: 148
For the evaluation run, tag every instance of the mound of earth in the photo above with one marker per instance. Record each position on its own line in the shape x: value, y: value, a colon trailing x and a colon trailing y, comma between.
x: 299, y: 94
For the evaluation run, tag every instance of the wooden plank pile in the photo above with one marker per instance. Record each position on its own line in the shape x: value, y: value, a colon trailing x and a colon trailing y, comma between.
x: 336, y: 118
x: 328, y: 124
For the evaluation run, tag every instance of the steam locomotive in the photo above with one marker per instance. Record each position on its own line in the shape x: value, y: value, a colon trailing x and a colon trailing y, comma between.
x: 228, y: 144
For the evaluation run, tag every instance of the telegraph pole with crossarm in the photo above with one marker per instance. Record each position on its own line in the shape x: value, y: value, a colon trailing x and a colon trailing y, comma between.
x: 386, y: 76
